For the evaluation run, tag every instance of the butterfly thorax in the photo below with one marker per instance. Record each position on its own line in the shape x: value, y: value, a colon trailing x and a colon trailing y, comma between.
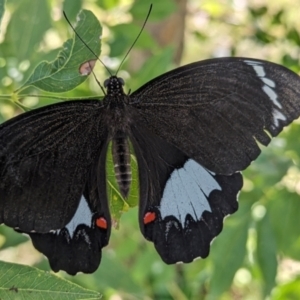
x: 115, y: 97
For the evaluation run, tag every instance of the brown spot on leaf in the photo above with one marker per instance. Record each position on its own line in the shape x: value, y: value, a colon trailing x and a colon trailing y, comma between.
x: 87, y: 67
x: 14, y: 288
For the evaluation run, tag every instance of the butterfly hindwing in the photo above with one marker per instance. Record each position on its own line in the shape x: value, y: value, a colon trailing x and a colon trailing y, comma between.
x: 77, y: 246
x: 217, y: 110
x: 182, y: 204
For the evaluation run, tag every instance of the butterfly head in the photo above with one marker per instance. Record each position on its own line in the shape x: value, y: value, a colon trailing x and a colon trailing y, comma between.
x: 114, y: 86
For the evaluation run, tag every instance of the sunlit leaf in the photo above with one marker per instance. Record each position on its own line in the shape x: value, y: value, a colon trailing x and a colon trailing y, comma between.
x: 160, y: 10
x: 284, y: 212
x: 123, y: 38
x: 26, y: 30
x: 154, y: 66
x: 291, y: 62
x: 10, y: 237
x: 258, y: 11
x: 72, y: 8
x: 213, y: 8
x: 23, y: 282
x: 264, y: 36
x: 277, y: 18
x: 63, y: 74
x: 108, y: 4
x: 290, y: 290
x: 229, y: 249
x: 294, y: 36
x: 2, y: 8
x: 105, y: 277
x: 266, y: 253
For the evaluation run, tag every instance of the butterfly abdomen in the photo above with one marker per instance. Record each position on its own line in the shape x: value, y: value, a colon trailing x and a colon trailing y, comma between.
x: 121, y: 159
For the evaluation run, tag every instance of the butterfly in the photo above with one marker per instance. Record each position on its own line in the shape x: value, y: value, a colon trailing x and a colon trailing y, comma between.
x: 192, y: 129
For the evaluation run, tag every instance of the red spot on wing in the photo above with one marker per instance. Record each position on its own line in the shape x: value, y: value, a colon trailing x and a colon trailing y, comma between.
x: 149, y: 217
x: 101, y: 223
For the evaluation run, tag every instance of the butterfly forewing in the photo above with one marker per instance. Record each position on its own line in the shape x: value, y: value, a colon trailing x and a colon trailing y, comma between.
x: 216, y: 111
x: 50, y: 173
x: 44, y: 157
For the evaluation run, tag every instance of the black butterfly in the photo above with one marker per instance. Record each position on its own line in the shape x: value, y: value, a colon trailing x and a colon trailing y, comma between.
x: 192, y: 129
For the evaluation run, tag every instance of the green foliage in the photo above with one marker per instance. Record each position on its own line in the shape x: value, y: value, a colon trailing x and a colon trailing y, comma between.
x: 2, y: 3
x: 122, y: 39
x: 266, y: 253
x: 108, y: 4
x: 10, y: 237
x: 72, y: 8
x: 20, y: 42
x: 21, y: 283
x: 247, y: 260
x: 153, y: 67
x: 62, y: 74
x: 162, y: 9
x: 228, y: 257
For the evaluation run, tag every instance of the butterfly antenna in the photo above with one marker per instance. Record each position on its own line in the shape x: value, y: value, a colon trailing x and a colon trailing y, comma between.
x: 96, y: 56
x: 98, y: 82
x: 149, y: 12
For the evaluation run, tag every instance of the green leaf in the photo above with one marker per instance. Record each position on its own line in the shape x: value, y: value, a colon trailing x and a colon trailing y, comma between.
x: 63, y: 73
x: 291, y: 62
x: 229, y: 250
x: 288, y: 291
x: 72, y: 8
x: 292, y: 143
x: 160, y: 10
x: 2, y: 8
x: 294, y: 36
x: 258, y: 12
x: 215, y: 9
x: 23, y: 282
x: 264, y: 36
x: 269, y: 168
x: 112, y: 273
x: 10, y: 237
x: 277, y: 18
x: 284, y: 215
x: 108, y: 4
x: 26, y: 29
x: 154, y: 66
x: 123, y: 37
x: 266, y: 253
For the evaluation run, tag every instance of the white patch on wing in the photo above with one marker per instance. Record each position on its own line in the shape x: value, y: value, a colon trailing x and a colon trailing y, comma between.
x: 268, y: 89
x: 277, y: 115
x: 186, y: 192
x: 272, y: 95
x: 83, y: 215
x: 269, y: 83
x: 259, y: 70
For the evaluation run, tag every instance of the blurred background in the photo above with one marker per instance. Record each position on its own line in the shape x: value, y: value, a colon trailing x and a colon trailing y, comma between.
x: 257, y: 255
